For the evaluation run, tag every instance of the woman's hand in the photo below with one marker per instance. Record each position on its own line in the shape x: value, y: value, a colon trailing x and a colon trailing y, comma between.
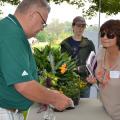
x: 103, y: 76
x: 91, y: 79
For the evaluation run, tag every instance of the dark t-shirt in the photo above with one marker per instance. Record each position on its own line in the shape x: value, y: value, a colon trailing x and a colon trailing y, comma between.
x: 76, y: 46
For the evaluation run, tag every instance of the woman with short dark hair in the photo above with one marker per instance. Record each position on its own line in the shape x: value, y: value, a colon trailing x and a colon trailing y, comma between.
x: 112, y: 26
x: 108, y: 69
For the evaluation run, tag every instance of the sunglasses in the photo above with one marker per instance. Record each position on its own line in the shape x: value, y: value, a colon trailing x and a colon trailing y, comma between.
x: 110, y: 35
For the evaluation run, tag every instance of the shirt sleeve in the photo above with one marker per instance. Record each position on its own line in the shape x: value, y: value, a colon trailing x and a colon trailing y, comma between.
x: 15, y: 66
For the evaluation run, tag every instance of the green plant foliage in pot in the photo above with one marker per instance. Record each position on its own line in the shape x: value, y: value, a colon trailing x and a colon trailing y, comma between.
x: 57, y: 71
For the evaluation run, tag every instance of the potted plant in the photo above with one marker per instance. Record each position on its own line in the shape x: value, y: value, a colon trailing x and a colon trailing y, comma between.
x: 57, y: 71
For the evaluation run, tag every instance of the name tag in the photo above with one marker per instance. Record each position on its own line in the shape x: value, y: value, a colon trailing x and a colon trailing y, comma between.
x: 114, y: 74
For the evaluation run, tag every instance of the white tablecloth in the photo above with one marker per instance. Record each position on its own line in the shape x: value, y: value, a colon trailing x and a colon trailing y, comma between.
x: 88, y: 109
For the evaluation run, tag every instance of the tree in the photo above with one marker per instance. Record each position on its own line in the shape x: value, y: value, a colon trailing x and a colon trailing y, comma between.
x: 45, y: 36
x: 55, y: 32
x: 107, y: 6
x: 55, y: 27
x: 13, y: 2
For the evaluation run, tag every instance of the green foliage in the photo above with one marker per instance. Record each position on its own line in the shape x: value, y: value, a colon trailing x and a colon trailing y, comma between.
x: 79, y: 3
x: 13, y: 2
x: 45, y: 36
x: 55, y: 27
x: 41, y: 58
x: 64, y: 35
x: 107, y: 6
x: 55, y: 32
x: 42, y: 36
x: 57, y: 70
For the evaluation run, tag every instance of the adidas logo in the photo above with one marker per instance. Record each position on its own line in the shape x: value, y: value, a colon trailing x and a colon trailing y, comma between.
x: 24, y: 73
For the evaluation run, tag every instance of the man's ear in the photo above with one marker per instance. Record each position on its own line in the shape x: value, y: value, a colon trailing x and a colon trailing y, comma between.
x: 31, y: 14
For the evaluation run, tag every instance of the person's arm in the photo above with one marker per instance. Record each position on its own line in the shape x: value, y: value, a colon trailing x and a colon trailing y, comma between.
x: 38, y: 93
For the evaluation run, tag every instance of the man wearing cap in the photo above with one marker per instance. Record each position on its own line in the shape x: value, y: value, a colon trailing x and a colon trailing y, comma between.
x: 79, y: 48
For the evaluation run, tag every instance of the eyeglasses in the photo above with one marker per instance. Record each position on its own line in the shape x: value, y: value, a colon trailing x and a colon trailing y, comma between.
x: 110, y: 35
x: 44, y: 23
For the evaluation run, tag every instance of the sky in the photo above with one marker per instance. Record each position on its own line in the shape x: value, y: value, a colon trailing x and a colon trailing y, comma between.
x: 64, y: 12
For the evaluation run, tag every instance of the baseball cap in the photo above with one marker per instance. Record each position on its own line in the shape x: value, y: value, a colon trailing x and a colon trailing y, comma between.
x: 79, y: 21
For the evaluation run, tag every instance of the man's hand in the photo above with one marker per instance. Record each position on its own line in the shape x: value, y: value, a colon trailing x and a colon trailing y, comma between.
x: 40, y: 94
x: 61, y: 101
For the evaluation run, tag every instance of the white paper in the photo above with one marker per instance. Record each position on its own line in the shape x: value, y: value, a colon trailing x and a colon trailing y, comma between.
x: 114, y: 74
x: 91, y: 63
x: 72, y: 104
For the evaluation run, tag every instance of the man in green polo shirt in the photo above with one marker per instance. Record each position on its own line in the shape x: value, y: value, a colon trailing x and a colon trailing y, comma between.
x: 18, y: 76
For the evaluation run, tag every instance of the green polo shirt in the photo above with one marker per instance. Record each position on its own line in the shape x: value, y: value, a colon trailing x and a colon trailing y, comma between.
x: 16, y: 63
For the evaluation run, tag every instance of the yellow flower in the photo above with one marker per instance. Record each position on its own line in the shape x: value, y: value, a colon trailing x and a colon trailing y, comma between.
x: 63, y: 68
x: 83, y: 84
